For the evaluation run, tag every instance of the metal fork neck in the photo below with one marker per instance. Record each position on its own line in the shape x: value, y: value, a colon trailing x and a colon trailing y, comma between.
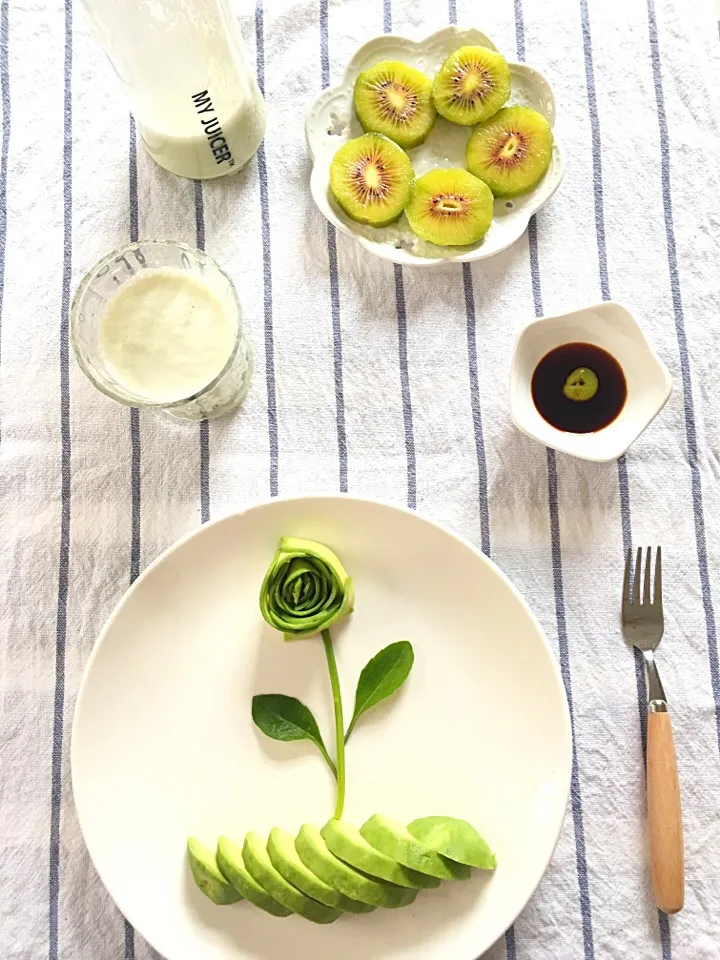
x: 657, y: 703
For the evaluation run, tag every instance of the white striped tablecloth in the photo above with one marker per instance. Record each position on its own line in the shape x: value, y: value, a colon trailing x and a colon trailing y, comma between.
x: 381, y: 381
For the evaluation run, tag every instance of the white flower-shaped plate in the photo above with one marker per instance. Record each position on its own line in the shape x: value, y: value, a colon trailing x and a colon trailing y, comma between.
x: 331, y: 121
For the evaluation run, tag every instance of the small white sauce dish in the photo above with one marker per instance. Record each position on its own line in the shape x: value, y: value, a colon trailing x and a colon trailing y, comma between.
x: 331, y: 122
x: 608, y: 326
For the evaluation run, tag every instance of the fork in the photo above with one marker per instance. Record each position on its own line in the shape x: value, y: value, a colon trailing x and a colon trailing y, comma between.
x: 643, y: 626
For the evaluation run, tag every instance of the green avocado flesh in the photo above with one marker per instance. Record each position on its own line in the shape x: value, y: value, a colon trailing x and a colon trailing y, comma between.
x: 455, y: 839
x: 207, y: 876
x: 394, y: 840
x: 230, y: 861
x: 322, y: 873
x: 260, y: 868
x: 314, y: 853
x: 285, y: 859
x: 346, y: 842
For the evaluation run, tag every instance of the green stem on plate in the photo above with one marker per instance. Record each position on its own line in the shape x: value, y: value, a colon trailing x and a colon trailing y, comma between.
x: 339, y: 725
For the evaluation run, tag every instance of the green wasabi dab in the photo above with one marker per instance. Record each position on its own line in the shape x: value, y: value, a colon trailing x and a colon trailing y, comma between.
x: 581, y: 385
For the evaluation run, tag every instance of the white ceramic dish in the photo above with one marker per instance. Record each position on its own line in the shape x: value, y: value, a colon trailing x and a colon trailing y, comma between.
x: 610, y: 326
x: 163, y: 743
x: 331, y: 121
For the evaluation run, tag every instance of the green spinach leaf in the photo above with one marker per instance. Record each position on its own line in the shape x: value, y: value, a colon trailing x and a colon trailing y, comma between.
x: 381, y: 677
x: 286, y: 719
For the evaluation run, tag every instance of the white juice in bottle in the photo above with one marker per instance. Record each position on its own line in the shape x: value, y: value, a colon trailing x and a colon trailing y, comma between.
x: 165, y: 334
x: 183, y: 66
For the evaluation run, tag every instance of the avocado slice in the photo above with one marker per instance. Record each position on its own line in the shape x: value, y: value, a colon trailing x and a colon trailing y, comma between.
x: 393, y: 839
x: 453, y: 838
x: 207, y: 876
x: 258, y: 865
x: 314, y: 853
x: 230, y: 862
x: 285, y: 859
x: 346, y: 842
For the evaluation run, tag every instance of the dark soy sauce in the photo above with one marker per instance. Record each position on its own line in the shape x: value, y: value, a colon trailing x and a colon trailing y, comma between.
x: 578, y: 416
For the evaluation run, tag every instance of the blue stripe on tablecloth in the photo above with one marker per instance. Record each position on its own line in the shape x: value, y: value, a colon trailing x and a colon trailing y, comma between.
x: 564, y: 649
x: 324, y: 48
x: 596, y: 140
x: 5, y: 95
x: 405, y: 388
x: 129, y: 944
x: 134, y: 413
x: 199, y: 216
x: 135, y: 505
x: 133, y: 181
x: 623, y: 480
x: 267, y: 269
x: 476, y: 409
x: 65, y: 493
x: 204, y: 424
x: 337, y: 359
x: 403, y: 347
x: 519, y: 31
x: 510, y: 945
x: 596, y: 151
x: 558, y: 585
x: 471, y: 333
x: 689, y: 406
x: 334, y: 286
x: 483, y: 500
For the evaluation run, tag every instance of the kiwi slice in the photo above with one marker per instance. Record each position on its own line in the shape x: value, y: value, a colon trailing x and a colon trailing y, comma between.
x: 450, y: 207
x: 511, y: 151
x: 472, y: 84
x: 396, y: 100
x: 370, y: 177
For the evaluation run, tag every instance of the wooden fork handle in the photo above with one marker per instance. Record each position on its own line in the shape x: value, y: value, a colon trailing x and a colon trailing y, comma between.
x: 667, y: 859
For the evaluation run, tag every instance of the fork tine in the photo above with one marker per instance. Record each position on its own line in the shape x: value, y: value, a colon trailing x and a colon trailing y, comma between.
x: 636, y: 577
x: 657, y: 599
x: 628, y: 573
x: 646, y: 588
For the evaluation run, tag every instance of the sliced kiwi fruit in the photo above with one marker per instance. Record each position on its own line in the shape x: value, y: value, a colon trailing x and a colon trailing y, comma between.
x: 511, y: 151
x: 207, y: 875
x: 396, y: 100
x: 370, y: 177
x: 472, y: 84
x: 450, y: 207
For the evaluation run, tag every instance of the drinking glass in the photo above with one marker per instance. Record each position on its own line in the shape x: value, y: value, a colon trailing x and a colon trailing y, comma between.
x: 223, y: 393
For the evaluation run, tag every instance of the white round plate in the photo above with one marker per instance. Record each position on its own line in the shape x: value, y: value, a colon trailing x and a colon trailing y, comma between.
x: 164, y: 746
x: 331, y: 121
